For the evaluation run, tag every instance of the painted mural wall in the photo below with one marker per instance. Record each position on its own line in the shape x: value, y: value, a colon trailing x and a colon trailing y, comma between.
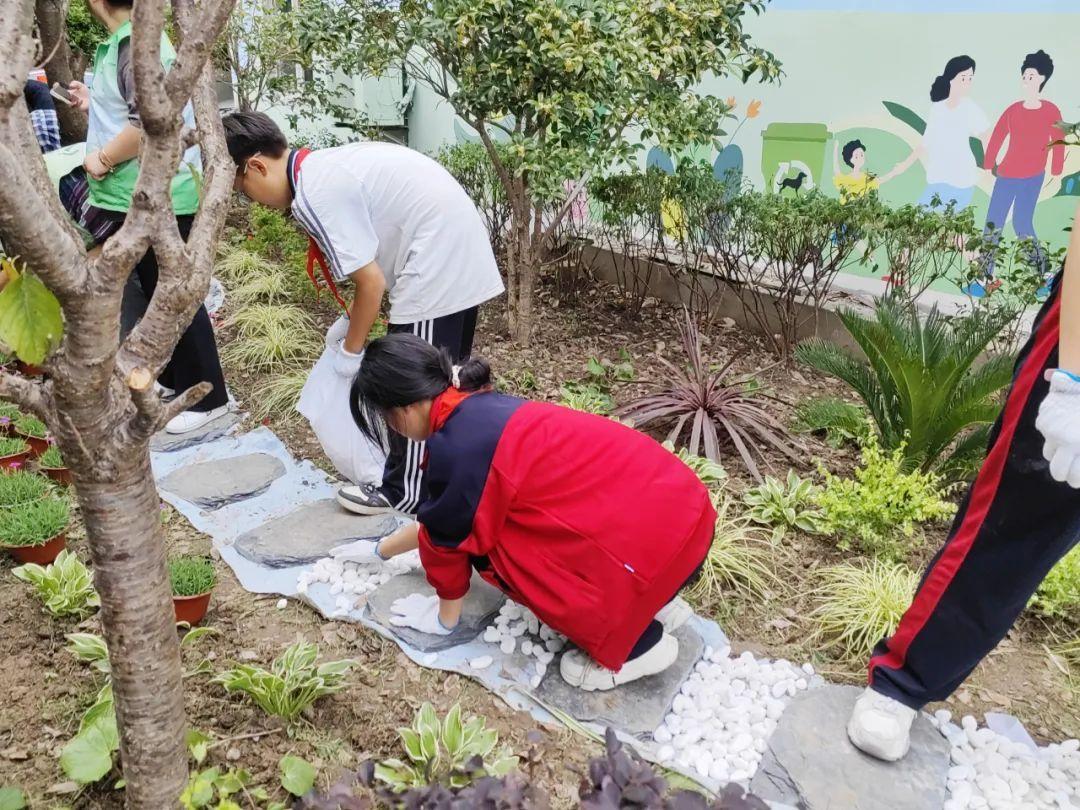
x: 922, y: 99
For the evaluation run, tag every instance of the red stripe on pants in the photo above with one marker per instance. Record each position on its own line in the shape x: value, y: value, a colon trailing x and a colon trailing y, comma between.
x: 983, y: 493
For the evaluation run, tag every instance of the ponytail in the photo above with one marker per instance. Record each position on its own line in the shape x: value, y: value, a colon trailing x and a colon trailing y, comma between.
x: 402, y: 369
x: 942, y: 86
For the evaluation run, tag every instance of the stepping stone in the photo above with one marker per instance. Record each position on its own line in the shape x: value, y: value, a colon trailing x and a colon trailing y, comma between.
x: 308, y: 533
x: 481, y: 605
x: 214, y: 484
x: 811, y: 763
x: 163, y: 442
x: 636, y: 708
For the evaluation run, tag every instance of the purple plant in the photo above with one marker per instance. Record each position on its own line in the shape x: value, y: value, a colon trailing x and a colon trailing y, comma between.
x: 701, y: 400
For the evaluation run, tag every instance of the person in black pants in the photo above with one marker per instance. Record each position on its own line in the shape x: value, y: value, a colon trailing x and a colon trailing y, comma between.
x: 1018, y: 519
x: 391, y: 221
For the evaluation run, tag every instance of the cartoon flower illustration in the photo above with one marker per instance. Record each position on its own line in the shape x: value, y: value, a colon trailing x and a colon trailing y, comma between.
x: 730, y: 101
x: 753, y: 108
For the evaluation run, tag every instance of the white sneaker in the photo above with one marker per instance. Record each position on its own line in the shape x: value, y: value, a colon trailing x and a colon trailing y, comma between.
x: 164, y: 392
x: 881, y: 726
x: 674, y: 614
x: 579, y: 670
x: 193, y: 420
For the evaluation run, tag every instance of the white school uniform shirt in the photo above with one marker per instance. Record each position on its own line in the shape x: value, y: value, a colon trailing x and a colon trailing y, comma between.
x: 947, y: 142
x: 381, y: 202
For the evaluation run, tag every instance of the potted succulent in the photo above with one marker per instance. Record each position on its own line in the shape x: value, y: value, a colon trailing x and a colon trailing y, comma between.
x: 35, y: 531
x: 35, y: 432
x: 52, y: 464
x: 13, y: 453
x: 192, y: 580
x: 9, y: 414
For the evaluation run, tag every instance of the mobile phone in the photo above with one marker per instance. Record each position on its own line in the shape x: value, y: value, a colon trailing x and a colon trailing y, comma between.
x: 61, y: 93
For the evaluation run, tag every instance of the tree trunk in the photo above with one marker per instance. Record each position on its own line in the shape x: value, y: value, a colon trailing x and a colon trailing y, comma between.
x: 51, y: 18
x: 127, y: 547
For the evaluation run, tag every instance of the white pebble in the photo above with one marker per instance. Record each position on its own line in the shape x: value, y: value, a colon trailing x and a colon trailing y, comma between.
x: 483, y: 662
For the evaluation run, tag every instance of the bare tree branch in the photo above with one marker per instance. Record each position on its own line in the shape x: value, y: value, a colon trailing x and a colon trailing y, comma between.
x: 151, y: 413
x: 28, y: 395
x: 199, y: 37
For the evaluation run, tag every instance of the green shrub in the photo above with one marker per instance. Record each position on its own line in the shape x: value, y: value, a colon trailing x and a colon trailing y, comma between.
x: 1058, y: 597
x: 711, y: 473
x: 440, y: 752
x: 12, y: 447
x: 785, y: 505
x: 21, y: 487
x: 276, y: 238
x: 918, y: 376
x: 271, y: 336
x: 861, y: 603
x: 33, y: 523
x: 191, y: 576
x: 64, y: 586
x: 882, y: 506
x: 29, y: 426
x: 51, y: 458
x: 839, y: 422
x: 292, y: 683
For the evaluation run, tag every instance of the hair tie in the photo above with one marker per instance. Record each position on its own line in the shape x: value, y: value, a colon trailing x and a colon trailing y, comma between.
x: 455, y: 376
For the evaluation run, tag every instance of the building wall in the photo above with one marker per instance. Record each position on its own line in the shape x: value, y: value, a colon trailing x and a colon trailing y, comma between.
x: 842, y: 60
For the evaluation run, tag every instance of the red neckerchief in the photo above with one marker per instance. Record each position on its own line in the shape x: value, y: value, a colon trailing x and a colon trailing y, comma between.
x: 314, y: 253
x: 444, y: 404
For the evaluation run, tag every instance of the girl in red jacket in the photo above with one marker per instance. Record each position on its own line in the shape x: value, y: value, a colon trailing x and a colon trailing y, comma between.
x: 588, y: 523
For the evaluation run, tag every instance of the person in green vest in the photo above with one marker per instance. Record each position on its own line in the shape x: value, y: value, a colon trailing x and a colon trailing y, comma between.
x: 112, y: 167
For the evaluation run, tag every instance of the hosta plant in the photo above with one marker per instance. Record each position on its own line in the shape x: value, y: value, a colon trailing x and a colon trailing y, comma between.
x: 444, y: 751
x: 919, y: 377
x: 65, y: 586
x: 586, y: 397
x: 859, y: 604
x: 883, y: 506
x: 711, y: 473
x: 21, y: 487
x: 293, y: 682
x: 34, y: 523
x: 191, y: 576
x: 707, y: 406
x: 785, y: 505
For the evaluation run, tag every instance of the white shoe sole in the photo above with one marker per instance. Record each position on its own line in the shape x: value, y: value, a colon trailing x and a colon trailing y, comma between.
x: 675, y: 614
x: 360, y: 509
x: 216, y: 413
x: 656, y: 660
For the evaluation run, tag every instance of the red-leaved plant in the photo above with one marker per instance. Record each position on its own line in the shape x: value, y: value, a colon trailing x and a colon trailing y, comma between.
x: 703, y: 401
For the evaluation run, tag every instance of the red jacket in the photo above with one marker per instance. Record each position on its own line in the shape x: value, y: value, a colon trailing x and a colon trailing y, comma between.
x: 590, y: 524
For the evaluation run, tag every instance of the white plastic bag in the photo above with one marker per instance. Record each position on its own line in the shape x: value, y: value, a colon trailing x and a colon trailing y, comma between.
x: 324, y: 402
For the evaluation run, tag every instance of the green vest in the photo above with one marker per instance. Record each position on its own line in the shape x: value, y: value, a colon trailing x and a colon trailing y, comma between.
x: 109, y: 115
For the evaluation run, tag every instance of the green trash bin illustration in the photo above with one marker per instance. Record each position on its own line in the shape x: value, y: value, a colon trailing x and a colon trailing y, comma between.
x: 793, y: 156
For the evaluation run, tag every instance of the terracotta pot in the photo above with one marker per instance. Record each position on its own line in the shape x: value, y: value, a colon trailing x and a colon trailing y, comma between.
x: 15, y: 461
x: 37, y: 446
x: 28, y: 370
x: 42, y: 555
x: 61, y: 475
x: 191, y: 609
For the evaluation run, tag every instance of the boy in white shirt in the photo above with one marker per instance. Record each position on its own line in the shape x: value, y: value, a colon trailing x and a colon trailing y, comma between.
x: 391, y: 220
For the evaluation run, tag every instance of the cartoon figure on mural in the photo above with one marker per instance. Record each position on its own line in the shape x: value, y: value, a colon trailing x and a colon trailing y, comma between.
x: 1031, y: 126
x: 859, y: 181
x: 951, y: 168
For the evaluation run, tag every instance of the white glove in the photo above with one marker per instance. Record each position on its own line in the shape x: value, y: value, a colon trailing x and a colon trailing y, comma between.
x: 363, y: 552
x: 1059, y: 423
x: 346, y: 363
x: 336, y: 333
x: 420, y: 613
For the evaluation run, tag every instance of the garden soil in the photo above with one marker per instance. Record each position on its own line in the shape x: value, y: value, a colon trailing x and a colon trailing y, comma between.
x: 47, y: 690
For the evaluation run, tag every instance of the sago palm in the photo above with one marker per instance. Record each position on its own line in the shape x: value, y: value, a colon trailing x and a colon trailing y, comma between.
x: 919, y: 377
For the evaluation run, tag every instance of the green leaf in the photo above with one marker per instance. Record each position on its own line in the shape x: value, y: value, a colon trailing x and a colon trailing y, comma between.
x: 410, y: 740
x: 453, y: 735
x: 427, y: 720
x: 198, y: 743
x: 11, y: 799
x: 907, y: 115
x: 87, y: 757
x: 31, y: 323
x: 194, y: 635
x: 200, y: 789
x: 297, y: 775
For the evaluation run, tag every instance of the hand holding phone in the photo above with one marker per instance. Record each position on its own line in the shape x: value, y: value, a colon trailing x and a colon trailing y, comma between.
x: 60, y: 93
